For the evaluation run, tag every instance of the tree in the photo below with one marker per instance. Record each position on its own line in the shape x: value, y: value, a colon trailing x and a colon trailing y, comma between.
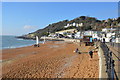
x: 118, y: 20
x: 88, y: 28
x: 45, y: 34
x: 83, y: 17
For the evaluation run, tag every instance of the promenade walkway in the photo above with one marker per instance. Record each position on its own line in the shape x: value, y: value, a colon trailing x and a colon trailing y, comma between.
x: 115, y: 48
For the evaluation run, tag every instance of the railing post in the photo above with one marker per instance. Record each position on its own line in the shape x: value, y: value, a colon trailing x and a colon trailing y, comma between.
x: 112, y: 70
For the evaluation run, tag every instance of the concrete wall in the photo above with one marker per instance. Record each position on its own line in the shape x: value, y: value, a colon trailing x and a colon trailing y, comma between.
x: 65, y: 39
x: 102, y: 62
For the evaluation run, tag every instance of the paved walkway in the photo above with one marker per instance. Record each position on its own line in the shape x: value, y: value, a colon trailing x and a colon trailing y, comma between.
x: 116, y: 57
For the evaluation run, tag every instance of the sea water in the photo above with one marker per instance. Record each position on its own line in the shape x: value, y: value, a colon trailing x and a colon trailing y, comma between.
x: 7, y: 42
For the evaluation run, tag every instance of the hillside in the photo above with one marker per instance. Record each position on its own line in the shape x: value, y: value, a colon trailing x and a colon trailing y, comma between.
x: 89, y: 23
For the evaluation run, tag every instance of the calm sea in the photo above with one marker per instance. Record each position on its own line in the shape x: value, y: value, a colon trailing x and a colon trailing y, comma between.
x: 12, y: 42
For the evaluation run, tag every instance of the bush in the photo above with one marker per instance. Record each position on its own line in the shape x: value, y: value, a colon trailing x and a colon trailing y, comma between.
x: 45, y: 34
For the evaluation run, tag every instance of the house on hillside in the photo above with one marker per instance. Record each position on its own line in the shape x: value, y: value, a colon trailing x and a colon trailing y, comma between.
x: 109, y: 34
x: 94, y: 34
x: 78, y: 35
x: 67, y: 33
x: 73, y: 24
x: 52, y: 35
x: 106, y: 30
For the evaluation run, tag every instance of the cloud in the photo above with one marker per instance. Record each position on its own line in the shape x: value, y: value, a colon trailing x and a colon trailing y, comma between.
x: 28, y: 27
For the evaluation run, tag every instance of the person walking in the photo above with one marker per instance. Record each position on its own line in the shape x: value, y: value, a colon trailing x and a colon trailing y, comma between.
x: 104, y: 40
x: 91, y: 53
x: 77, y: 51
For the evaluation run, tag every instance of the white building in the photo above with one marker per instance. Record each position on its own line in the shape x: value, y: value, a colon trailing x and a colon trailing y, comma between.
x: 73, y: 24
x: 106, y: 30
x: 77, y: 25
x: 81, y: 24
x: 94, y: 34
x: 78, y: 36
x: 117, y: 40
x: 63, y: 32
x: 109, y: 33
x: 88, y: 33
x: 52, y: 35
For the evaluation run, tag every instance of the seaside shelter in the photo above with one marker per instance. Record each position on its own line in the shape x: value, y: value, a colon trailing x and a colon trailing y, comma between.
x: 88, y: 40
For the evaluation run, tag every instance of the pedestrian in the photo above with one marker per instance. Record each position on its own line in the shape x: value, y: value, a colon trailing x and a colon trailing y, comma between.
x: 91, y: 53
x: 110, y: 41
x: 76, y: 50
x: 104, y: 40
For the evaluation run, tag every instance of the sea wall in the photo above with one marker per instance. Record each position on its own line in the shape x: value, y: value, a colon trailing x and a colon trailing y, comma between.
x: 102, y: 63
x: 61, y: 39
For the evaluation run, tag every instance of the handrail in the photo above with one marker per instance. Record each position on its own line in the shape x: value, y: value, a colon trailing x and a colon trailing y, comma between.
x: 109, y: 62
x: 115, y: 51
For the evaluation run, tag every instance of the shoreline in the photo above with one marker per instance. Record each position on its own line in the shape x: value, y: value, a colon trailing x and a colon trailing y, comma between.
x: 54, y: 59
x: 17, y: 47
x: 22, y: 46
x: 11, y: 42
x: 40, y: 41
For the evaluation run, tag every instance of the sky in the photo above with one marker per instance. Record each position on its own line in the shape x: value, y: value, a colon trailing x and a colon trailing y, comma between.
x: 60, y: 0
x: 19, y: 18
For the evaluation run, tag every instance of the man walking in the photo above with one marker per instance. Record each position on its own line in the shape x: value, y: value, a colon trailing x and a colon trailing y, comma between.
x: 91, y: 53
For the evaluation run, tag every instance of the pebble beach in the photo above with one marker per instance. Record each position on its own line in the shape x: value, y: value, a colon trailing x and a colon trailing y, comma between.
x: 54, y: 59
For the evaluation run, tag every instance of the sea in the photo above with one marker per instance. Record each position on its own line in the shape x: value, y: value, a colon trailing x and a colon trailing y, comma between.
x: 7, y: 42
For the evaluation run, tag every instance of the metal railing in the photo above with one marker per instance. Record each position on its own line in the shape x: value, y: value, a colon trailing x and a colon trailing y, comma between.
x: 109, y: 62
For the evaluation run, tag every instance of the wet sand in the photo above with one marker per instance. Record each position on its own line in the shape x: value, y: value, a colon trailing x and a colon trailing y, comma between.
x: 54, y: 59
